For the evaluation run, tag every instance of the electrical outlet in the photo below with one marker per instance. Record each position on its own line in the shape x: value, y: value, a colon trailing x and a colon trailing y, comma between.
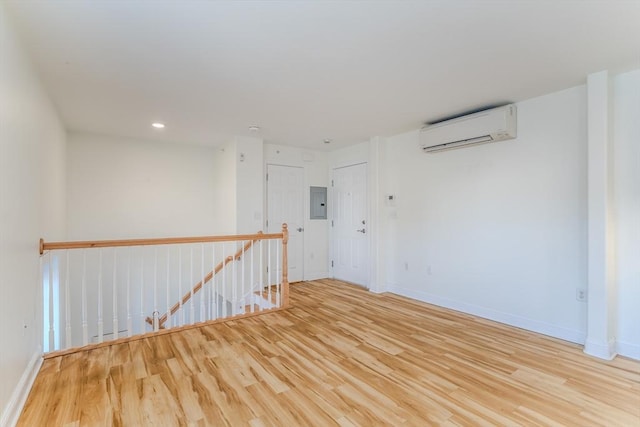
x: 406, y: 266
x: 581, y: 294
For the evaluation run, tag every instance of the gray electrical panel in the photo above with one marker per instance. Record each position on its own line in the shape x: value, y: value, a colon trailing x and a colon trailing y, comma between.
x: 318, y: 197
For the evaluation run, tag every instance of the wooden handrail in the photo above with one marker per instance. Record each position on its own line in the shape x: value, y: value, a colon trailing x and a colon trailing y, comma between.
x: 186, y: 297
x: 44, y: 246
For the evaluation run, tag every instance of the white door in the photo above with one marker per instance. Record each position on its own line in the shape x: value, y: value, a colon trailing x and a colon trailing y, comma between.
x: 285, y: 204
x: 350, y: 224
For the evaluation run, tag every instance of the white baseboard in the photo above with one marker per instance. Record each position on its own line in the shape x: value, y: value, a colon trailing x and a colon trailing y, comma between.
x: 19, y: 396
x: 316, y: 275
x: 627, y: 349
x: 533, y: 325
x: 606, y: 351
x: 378, y: 288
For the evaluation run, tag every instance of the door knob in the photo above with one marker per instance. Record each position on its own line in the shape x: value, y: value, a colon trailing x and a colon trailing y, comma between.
x: 361, y: 231
x: 300, y: 229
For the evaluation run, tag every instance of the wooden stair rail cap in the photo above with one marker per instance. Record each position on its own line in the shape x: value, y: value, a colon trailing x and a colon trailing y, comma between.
x: 44, y: 246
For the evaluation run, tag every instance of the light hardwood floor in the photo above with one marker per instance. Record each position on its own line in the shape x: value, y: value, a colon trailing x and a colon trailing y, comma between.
x: 339, y: 356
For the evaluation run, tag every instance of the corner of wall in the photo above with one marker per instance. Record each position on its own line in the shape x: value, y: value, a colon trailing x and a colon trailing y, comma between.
x: 18, y: 398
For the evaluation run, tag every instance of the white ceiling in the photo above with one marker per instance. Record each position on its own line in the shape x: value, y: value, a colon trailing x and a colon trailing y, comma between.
x: 309, y: 70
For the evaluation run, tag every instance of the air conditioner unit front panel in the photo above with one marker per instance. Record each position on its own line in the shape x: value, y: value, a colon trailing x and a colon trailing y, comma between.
x: 490, y: 125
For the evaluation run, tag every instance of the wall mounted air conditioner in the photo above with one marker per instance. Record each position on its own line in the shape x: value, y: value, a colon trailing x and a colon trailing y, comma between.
x: 496, y: 124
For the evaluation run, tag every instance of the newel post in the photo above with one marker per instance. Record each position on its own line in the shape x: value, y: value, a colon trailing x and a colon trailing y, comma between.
x: 285, y: 266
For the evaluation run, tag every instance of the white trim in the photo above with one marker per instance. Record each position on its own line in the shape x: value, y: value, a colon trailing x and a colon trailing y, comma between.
x: 533, y: 325
x: 628, y: 349
x: 20, y: 393
x: 606, y: 351
x: 317, y: 275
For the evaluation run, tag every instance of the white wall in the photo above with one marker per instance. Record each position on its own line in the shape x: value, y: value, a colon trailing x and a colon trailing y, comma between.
x: 224, y: 188
x: 498, y: 230
x: 249, y: 185
x: 315, y: 231
x: 122, y: 188
x: 32, y: 191
x: 626, y: 193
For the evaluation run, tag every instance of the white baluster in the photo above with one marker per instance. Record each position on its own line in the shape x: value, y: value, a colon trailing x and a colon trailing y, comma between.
x: 261, y: 273
x: 269, y: 271
x: 203, y: 300
x: 252, y: 284
x: 234, y: 286
x: 52, y: 331
x: 180, y: 285
x: 85, y: 326
x: 242, y: 295
x: 57, y: 304
x: 155, y: 287
x: 45, y: 303
x: 129, y: 317
x: 169, y: 317
x: 115, y: 294
x: 278, y: 278
x: 67, y: 302
x: 224, y: 283
x: 214, y: 287
x: 192, y: 308
x: 143, y: 328
x: 100, y: 324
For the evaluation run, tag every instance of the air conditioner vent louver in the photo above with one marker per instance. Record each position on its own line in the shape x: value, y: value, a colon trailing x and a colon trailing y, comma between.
x: 496, y: 124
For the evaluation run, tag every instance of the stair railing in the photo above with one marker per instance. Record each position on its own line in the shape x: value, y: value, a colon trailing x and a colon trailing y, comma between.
x: 159, y: 322
x: 99, y: 292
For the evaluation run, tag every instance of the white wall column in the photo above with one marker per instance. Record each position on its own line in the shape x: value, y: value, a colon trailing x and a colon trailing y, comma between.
x: 627, y: 210
x: 377, y: 265
x: 601, y: 314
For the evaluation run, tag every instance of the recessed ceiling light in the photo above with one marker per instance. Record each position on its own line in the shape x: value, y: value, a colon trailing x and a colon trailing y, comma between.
x: 254, y: 128
x: 327, y: 141
x: 158, y: 125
